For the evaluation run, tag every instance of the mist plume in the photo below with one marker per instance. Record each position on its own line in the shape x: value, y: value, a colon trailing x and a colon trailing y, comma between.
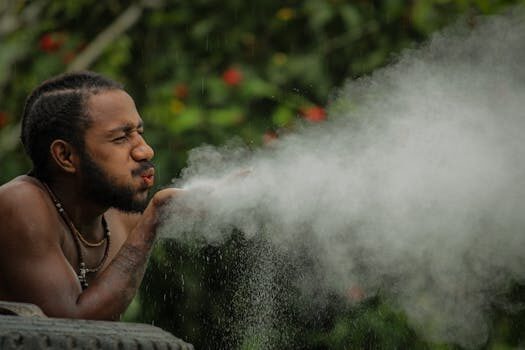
x: 414, y: 187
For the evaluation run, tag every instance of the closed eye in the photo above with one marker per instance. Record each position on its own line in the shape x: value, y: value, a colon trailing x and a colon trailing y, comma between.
x: 120, y: 139
x: 124, y: 138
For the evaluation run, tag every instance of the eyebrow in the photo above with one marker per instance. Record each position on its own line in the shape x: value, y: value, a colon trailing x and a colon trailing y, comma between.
x: 126, y: 128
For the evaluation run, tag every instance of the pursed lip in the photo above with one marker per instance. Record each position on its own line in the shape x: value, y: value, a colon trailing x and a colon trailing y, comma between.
x: 148, y: 177
x: 149, y: 173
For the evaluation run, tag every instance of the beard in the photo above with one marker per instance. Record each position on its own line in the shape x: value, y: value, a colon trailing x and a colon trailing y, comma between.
x: 102, y: 189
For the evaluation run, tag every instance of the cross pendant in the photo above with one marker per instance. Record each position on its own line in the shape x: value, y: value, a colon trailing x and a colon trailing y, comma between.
x: 82, y: 276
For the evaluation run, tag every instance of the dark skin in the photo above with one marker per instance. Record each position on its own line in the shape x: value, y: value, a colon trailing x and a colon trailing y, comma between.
x: 38, y: 257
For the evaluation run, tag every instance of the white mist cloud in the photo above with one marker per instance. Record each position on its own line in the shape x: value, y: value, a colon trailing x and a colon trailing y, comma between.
x: 414, y: 187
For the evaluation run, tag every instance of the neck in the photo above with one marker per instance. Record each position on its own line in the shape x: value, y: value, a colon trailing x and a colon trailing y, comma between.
x: 85, y: 215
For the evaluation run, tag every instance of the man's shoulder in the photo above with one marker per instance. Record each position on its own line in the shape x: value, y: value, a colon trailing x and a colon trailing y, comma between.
x: 24, y: 206
x: 22, y: 191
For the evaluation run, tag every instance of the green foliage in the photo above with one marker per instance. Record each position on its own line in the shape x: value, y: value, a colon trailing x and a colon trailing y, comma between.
x: 204, y: 72
x: 371, y: 325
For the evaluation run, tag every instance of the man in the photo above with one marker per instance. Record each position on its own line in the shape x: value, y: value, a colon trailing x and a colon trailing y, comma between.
x: 77, y: 230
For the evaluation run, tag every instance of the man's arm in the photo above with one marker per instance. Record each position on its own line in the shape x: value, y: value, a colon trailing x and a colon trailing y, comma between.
x: 34, y: 269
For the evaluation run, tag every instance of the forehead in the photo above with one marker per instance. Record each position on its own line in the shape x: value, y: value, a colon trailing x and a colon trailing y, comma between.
x: 110, y: 109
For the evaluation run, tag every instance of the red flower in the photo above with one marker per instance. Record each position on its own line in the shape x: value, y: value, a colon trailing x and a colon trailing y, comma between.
x: 4, y: 119
x: 232, y: 76
x: 314, y: 114
x: 181, y: 91
x: 51, y: 42
x: 269, y: 137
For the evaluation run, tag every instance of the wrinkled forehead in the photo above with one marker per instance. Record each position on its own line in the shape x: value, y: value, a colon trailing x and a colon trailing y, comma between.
x: 110, y: 109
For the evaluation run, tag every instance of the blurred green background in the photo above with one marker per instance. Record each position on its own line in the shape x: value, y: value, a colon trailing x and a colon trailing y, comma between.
x: 207, y: 71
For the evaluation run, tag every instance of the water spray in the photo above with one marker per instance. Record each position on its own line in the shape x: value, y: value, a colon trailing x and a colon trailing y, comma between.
x: 414, y: 187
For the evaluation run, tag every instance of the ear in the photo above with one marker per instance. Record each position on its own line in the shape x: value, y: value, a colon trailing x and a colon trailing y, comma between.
x: 64, y: 155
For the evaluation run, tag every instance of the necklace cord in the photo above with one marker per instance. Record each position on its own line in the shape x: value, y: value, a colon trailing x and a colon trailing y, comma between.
x: 79, y: 239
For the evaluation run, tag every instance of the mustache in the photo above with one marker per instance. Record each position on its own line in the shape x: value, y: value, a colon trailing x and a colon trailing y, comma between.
x: 145, y: 165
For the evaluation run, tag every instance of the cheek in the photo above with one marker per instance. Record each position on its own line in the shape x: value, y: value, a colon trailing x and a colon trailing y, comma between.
x: 117, y: 159
x: 116, y: 170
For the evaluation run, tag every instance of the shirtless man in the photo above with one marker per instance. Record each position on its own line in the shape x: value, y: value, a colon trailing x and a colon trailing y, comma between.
x: 76, y: 231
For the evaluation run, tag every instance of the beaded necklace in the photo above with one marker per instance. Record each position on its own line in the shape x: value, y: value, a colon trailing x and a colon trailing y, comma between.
x: 79, y: 239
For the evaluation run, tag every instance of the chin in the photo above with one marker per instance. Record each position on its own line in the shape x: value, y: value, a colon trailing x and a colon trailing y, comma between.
x: 133, y: 203
x: 133, y: 207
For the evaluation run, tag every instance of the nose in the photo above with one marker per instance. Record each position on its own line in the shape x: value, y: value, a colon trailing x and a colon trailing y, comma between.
x: 142, y: 151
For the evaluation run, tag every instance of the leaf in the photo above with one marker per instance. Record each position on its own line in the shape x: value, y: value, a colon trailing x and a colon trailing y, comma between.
x: 282, y: 116
x: 217, y: 90
x: 320, y: 13
x: 351, y: 17
x: 256, y: 88
x: 424, y: 16
x: 202, y: 28
x: 225, y: 117
x: 11, y: 51
x: 190, y: 118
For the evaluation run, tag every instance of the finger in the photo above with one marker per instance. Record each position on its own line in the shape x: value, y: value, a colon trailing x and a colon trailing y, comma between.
x: 165, y: 195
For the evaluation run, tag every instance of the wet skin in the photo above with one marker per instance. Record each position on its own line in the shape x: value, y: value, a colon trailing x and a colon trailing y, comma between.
x: 38, y: 257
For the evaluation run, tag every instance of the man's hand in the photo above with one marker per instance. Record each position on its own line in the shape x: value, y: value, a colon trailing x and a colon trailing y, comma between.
x: 146, y: 227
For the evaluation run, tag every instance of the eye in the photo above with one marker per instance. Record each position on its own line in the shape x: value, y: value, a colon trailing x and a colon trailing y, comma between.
x: 121, y: 139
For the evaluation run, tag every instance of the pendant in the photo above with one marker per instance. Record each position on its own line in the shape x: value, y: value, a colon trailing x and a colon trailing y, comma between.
x: 82, y: 275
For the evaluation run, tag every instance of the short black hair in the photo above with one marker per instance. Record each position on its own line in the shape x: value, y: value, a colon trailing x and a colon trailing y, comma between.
x: 57, y: 109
